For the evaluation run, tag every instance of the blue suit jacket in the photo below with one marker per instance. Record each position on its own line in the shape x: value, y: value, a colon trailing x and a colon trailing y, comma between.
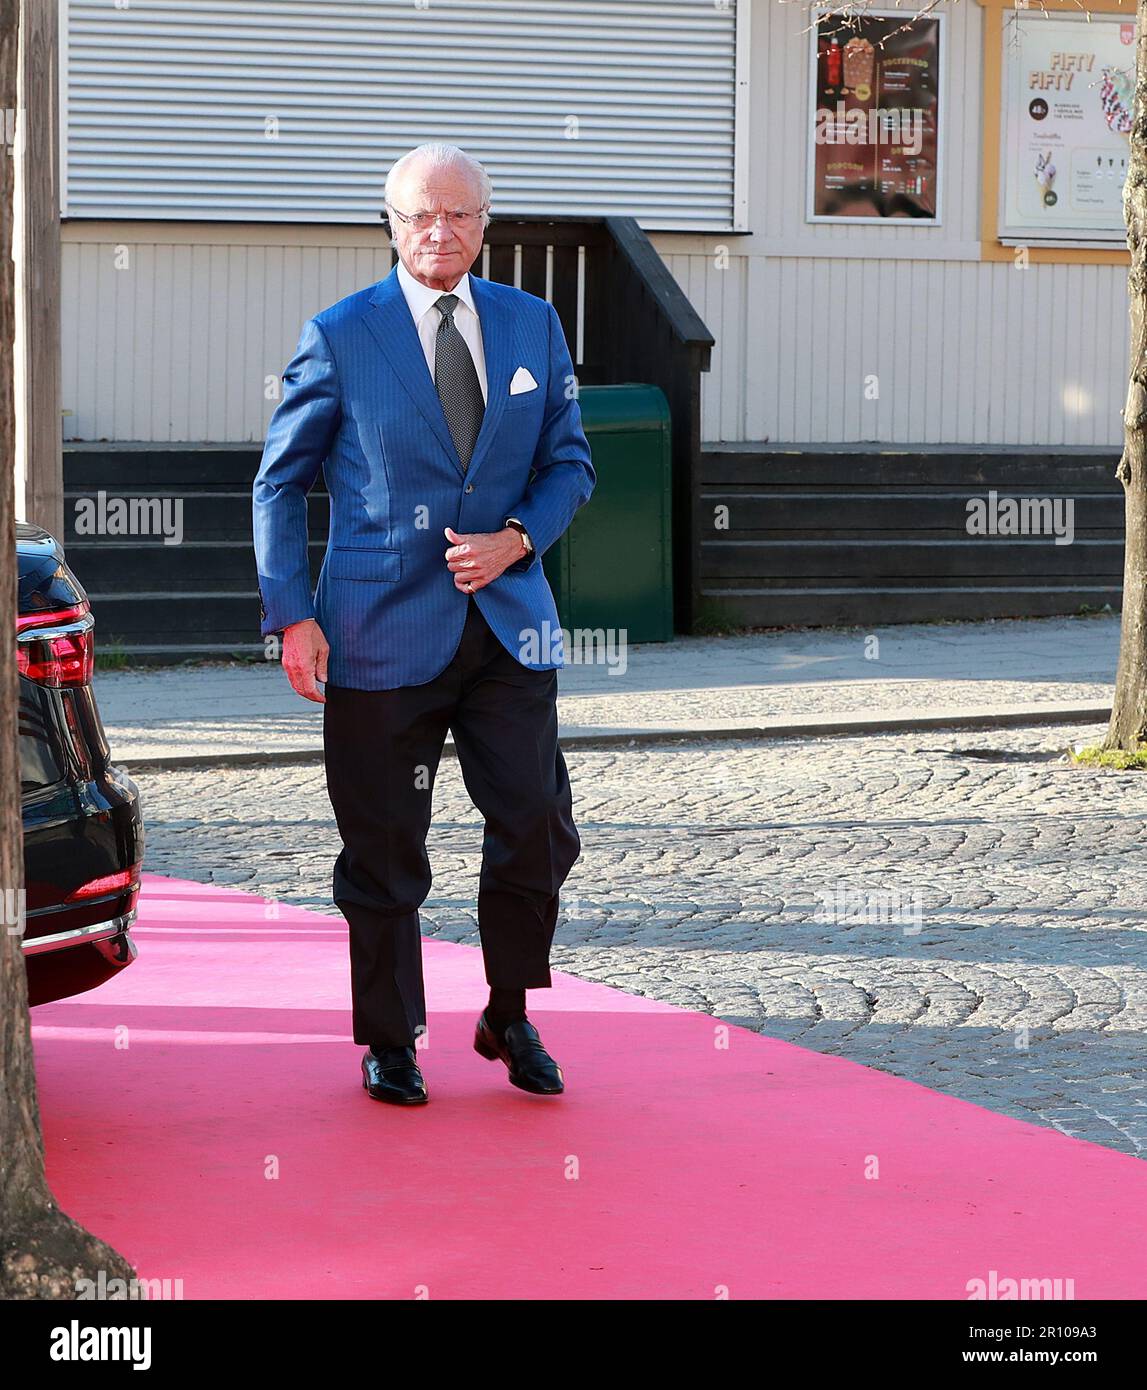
x: 359, y: 402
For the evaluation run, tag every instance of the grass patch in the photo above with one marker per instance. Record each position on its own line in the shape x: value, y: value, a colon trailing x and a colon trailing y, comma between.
x: 1117, y: 758
x: 111, y: 656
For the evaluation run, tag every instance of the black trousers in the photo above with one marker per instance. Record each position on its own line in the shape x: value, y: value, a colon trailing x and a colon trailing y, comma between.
x: 382, y: 749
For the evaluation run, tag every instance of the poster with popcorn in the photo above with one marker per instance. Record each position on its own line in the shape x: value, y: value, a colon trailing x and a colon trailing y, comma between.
x: 876, y: 91
x: 1068, y: 90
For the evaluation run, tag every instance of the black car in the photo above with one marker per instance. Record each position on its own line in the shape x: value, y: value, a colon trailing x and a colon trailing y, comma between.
x: 83, y: 834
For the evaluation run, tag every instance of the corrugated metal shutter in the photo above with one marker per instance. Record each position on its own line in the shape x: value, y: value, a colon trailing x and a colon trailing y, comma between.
x: 293, y: 111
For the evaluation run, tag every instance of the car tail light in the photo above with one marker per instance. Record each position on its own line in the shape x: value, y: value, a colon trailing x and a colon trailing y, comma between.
x: 57, y: 648
x: 124, y: 881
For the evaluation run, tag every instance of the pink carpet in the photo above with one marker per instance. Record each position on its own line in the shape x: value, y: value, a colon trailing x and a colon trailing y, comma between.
x: 203, y: 1113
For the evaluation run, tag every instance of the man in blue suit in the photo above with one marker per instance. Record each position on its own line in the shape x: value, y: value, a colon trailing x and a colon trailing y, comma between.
x: 443, y: 411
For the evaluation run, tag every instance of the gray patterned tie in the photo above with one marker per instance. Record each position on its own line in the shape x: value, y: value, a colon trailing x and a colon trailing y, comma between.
x: 456, y: 381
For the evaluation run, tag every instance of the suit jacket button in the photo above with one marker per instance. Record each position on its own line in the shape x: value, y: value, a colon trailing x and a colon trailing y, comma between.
x: 469, y: 487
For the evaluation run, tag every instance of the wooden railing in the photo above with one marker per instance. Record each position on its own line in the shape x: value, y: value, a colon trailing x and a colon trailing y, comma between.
x: 625, y: 319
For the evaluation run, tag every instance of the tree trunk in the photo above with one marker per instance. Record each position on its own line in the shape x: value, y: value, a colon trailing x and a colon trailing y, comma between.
x: 42, y: 1252
x: 1129, y: 713
x: 38, y: 299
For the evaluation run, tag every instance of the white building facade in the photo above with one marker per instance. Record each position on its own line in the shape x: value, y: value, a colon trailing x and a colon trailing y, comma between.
x: 222, y: 179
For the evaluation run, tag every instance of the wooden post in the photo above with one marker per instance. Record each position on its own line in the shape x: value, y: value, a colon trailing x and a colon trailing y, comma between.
x: 38, y: 269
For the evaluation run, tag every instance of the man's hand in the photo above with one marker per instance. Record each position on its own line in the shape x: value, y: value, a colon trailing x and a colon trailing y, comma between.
x: 477, y: 560
x: 305, y: 658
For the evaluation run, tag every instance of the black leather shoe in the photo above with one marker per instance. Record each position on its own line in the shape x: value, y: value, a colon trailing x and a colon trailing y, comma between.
x: 531, y: 1066
x: 393, y: 1076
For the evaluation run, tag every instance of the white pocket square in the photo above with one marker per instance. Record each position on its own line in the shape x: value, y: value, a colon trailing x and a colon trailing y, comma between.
x: 522, y: 381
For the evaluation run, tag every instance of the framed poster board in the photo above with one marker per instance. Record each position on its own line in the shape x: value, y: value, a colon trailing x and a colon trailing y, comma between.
x: 876, y: 85
x: 1068, y: 84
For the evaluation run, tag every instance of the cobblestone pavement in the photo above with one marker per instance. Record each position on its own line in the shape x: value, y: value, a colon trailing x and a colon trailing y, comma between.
x: 997, y: 952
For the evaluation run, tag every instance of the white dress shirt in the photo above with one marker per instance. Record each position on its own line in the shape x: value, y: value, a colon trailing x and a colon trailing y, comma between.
x: 421, y: 301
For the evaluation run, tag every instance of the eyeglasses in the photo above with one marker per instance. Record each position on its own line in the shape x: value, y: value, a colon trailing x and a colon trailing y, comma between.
x: 420, y: 221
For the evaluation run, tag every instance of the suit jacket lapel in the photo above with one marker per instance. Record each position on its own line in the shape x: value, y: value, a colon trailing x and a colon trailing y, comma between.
x: 392, y: 327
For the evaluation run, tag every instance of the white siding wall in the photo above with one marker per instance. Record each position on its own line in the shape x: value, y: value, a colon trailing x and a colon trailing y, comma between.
x: 177, y: 346
x: 177, y: 343
x: 963, y: 352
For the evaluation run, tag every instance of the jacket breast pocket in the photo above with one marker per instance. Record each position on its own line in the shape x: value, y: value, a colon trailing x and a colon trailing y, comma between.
x: 363, y: 562
x: 524, y: 398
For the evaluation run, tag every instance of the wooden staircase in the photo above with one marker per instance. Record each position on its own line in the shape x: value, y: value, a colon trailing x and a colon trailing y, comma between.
x: 867, y: 534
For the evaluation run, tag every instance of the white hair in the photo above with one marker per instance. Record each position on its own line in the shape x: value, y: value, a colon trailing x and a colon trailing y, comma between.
x: 436, y: 155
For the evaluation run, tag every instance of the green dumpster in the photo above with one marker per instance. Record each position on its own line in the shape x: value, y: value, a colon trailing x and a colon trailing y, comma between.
x: 613, y: 567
